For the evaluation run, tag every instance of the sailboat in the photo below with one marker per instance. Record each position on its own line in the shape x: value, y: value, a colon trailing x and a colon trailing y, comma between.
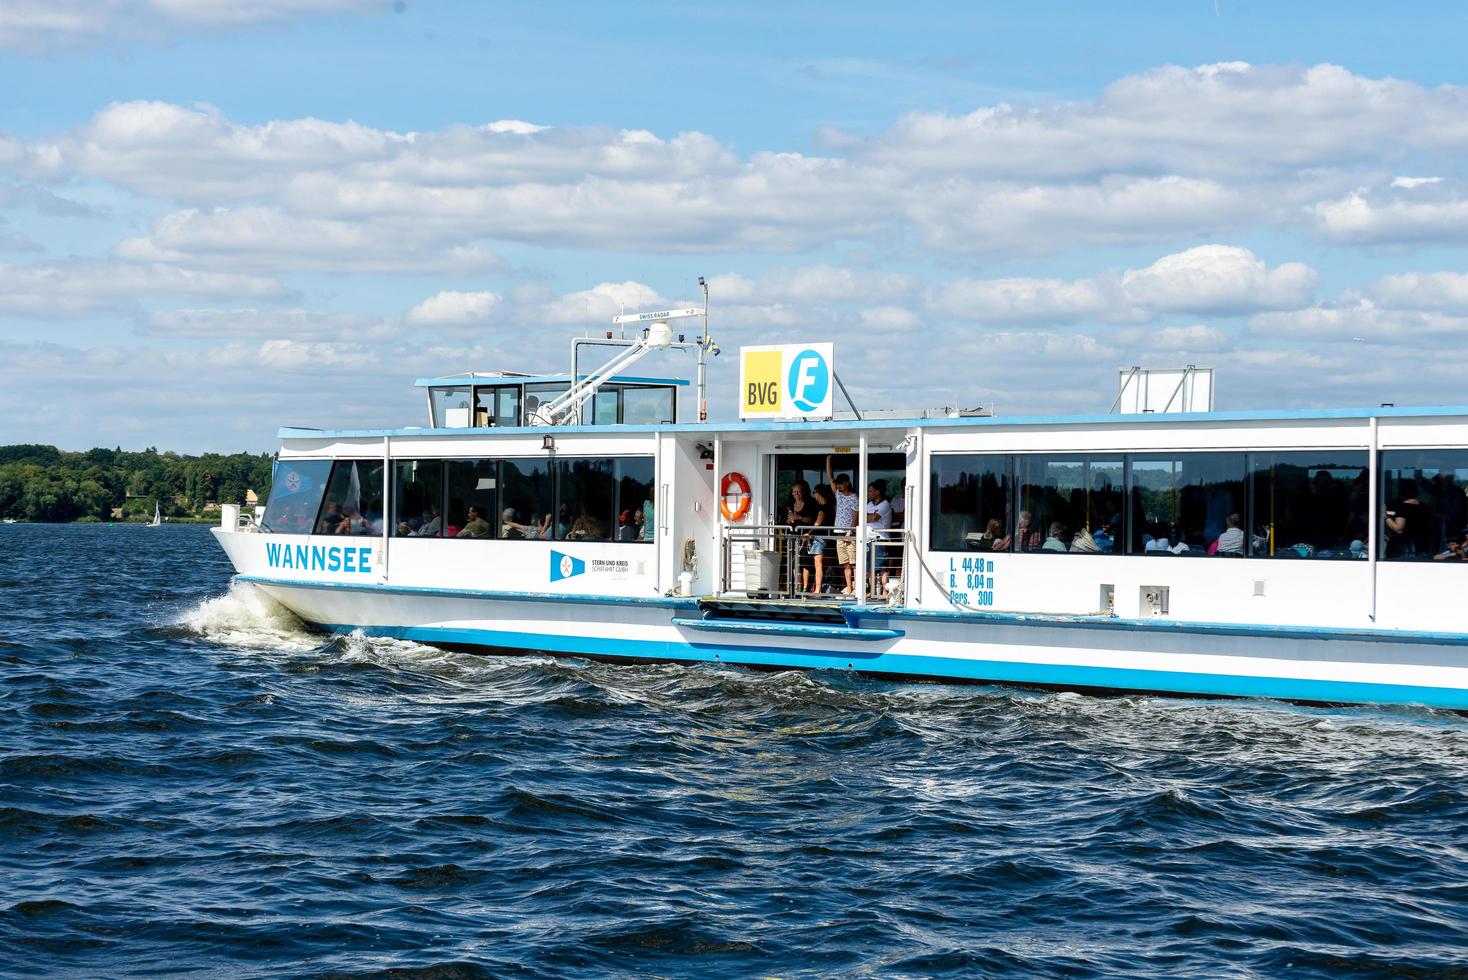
x: 157, y: 516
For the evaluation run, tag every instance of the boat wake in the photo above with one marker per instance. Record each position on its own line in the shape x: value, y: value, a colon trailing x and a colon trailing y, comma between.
x: 247, y: 617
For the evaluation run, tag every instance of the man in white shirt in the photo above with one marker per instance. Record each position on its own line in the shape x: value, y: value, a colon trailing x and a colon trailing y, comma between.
x: 879, y: 519
x: 846, y: 517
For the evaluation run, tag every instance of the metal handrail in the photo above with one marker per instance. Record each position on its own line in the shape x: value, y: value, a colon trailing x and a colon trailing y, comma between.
x: 888, y: 565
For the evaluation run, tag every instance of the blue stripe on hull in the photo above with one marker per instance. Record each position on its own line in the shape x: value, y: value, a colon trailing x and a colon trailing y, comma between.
x: 996, y: 671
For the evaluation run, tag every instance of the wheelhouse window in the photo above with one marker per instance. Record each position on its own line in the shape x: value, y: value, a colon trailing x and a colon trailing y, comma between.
x: 295, y: 495
x: 1424, y: 507
x: 353, y: 502
x: 450, y: 407
x: 646, y: 405
x: 537, y: 397
x: 1069, y: 503
x: 418, y: 498
x: 496, y: 406
x: 970, y: 500
x: 1188, y: 504
x: 1308, y: 504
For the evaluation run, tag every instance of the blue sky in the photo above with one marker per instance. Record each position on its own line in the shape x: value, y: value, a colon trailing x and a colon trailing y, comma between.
x: 214, y: 222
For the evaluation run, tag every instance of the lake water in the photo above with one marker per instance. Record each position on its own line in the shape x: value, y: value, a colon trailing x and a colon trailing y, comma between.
x: 192, y: 783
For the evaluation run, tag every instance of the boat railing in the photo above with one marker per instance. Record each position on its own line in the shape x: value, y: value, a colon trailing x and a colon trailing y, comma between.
x: 778, y: 561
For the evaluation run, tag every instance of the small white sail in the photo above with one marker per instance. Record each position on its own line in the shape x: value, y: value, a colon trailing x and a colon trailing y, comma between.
x: 157, y: 515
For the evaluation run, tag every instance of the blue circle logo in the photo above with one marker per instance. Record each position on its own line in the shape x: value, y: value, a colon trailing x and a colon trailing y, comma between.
x: 809, y: 381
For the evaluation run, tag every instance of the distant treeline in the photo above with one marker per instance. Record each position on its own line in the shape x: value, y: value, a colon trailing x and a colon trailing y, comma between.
x: 42, y: 483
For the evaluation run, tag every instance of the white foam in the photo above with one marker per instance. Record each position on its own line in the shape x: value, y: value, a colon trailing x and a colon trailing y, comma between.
x: 246, y: 617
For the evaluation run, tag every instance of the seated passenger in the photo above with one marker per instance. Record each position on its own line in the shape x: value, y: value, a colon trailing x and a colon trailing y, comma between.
x: 1231, y: 541
x: 331, y: 518
x: 1455, y: 551
x: 1056, y: 540
x: 586, y: 528
x: 641, y: 526
x: 510, y: 526
x: 1024, y: 538
x: 626, y: 529
x: 477, y: 526
x: 1157, y: 540
x: 1104, y: 537
x: 986, y: 541
x: 431, y: 525
x: 352, y: 522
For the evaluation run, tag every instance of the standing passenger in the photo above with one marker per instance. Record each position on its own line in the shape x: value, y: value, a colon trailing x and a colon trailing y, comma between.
x: 846, y: 518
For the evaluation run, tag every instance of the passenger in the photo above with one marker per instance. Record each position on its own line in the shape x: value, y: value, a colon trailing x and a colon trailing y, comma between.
x: 991, y: 535
x: 451, y: 529
x: 644, y: 520
x: 1105, y: 537
x: 627, y: 530
x: 432, y: 525
x: 846, y: 518
x: 1056, y: 540
x: 510, y: 526
x: 1231, y: 541
x: 477, y: 526
x: 586, y: 528
x: 1404, y: 520
x: 1158, y: 542
x: 816, y: 535
x: 331, y: 518
x: 563, y: 522
x: 351, y: 522
x: 879, y: 520
x: 1025, y: 537
x: 1455, y: 550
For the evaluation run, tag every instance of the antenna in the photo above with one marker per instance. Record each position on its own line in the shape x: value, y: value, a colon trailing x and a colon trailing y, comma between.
x: 703, y: 354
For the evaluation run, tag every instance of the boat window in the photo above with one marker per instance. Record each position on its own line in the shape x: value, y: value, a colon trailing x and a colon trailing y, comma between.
x: 606, y: 407
x: 526, y: 499
x: 539, y: 396
x: 1069, y: 503
x: 647, y: 405
x: 1187, y: 504
x: 1307, y: 504
x: 970, y: 496
x: 636, y: 519
x: 584, y: 500
x: 496, y: 406
x: 417, y: 497
x: 353, y: 498
x: 1424, y: 507
x: 295, y: 495
x: 450, y: 407
x: 472, y: 488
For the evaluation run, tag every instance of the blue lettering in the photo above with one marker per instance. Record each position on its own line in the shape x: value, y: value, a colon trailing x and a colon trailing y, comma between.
x: 285, y: 557
x: 318, y: 558
x: 349, y: 559
x: 991, y: 566
x: 303, y: 558
x: 334, y: 559
x: 272, y: 553
x: 364, y: 559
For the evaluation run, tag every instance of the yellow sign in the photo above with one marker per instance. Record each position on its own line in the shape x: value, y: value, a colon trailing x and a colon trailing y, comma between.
x: 760, y: 378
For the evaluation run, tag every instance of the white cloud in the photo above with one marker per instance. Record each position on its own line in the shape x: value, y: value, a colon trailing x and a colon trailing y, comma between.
x: 1222, y: 280
x: 34, y: 26
x: 1365, y: 218
x: 1166, y: 155
x: 80, y: 287
x: 450, y: 308
x: 596, y: 306
x: 1363, y: 320
x: 248, y: 323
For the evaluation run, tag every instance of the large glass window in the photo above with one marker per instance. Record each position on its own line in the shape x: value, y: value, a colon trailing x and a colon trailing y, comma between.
x: 585, y: 499
x: 526, y: 499
x: 295, y: 495
x: 970, y: 500
x: 1188, y: 503
x: 647, y: 406
x: 418, y: 498
x: 1308, y: 504
x: 606, y: 407
x: 1424, y: 507
x: 1068, y: 503
x: 636, y: 519
x: 353, y: 498
x: 450, y: 407
x: 497, y: 406
x: 472, y: 487
x: 538, y: 397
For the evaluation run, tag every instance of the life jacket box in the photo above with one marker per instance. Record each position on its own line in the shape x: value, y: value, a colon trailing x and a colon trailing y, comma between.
x: 761, y: 571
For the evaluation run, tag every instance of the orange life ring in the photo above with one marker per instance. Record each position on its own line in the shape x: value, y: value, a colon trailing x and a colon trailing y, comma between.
x: 740, y: 494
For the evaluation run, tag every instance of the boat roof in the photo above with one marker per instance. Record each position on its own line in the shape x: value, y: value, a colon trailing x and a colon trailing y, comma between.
x: 837, y: 425
x: 498, y: 378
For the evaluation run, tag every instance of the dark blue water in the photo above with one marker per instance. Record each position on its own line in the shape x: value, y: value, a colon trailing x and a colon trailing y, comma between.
x: 192, y: 784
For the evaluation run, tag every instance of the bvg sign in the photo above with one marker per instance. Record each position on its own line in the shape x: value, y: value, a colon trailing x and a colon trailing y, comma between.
x: 790, y: 381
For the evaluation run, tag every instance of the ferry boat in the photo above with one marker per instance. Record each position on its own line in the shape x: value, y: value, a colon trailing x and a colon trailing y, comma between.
x: 1311, y: 556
